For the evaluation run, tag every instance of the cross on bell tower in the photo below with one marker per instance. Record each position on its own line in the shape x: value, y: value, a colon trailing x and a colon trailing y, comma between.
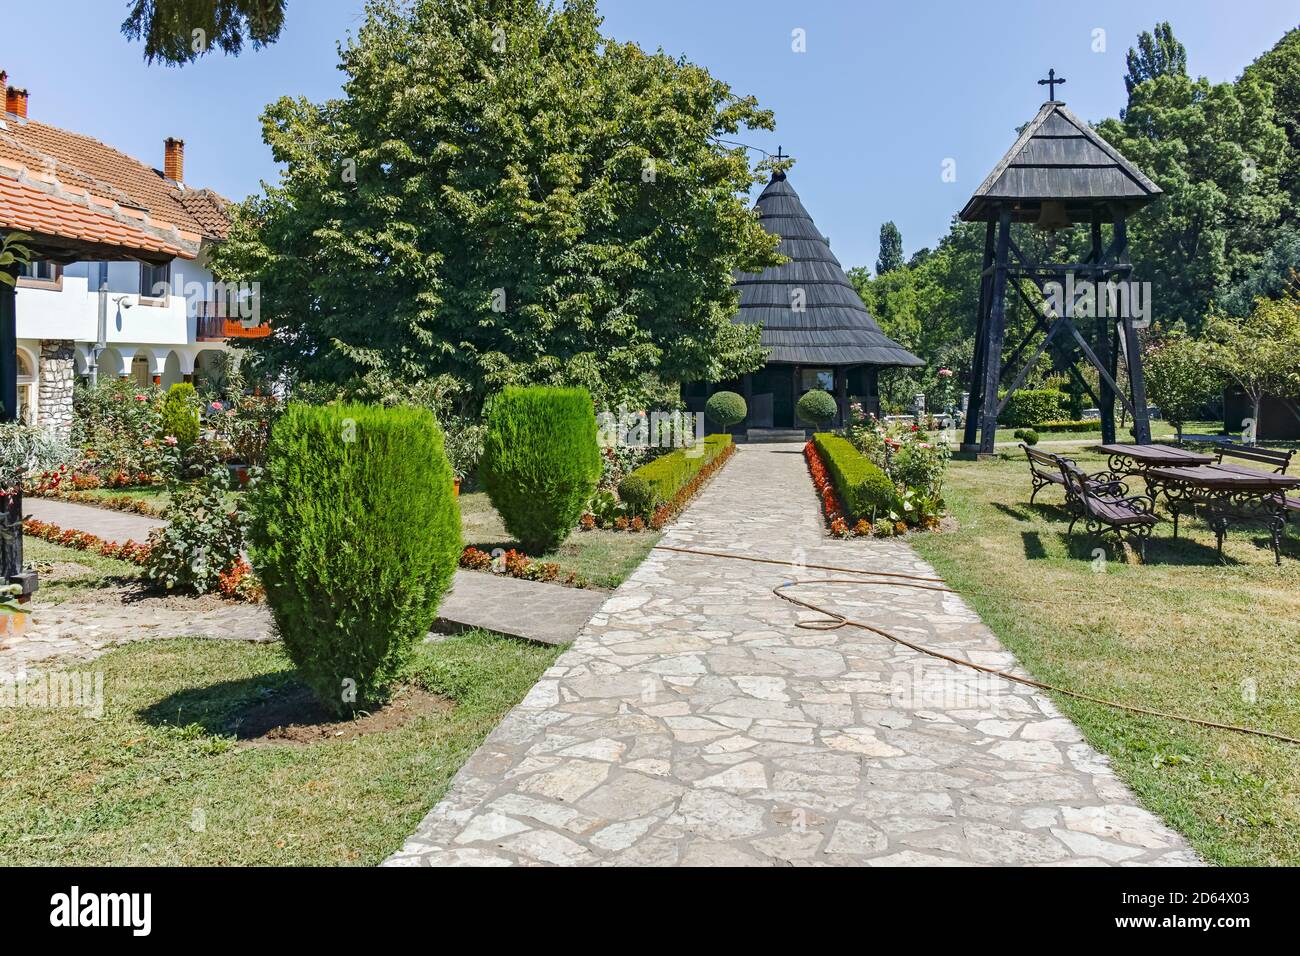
x: 1051, y: 83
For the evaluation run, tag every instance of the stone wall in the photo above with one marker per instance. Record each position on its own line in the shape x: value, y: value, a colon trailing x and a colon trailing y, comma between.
x: 55, y: 380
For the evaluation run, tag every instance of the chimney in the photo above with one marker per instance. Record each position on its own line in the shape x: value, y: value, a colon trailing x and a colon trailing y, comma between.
x: 16, y: 102
x: 174, y: 159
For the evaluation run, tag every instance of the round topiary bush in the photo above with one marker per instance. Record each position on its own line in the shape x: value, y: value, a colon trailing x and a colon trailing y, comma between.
x: 726, y: 408
x: 180, y: 414
x: 356, y: 536
x: 637, y: 494
x: 540, y: 462
x: 816, y: 407
x: 1026, y: 435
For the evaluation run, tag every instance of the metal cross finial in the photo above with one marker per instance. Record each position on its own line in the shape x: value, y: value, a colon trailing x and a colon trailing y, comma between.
x: 780, y: 155
x: 1051, y: 83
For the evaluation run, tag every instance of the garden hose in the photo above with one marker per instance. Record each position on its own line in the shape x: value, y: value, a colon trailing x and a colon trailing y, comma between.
x: 833, y: 620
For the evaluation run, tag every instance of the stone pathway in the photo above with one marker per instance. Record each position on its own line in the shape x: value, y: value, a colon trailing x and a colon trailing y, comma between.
x: 110, y: 525
x: 693, y: 723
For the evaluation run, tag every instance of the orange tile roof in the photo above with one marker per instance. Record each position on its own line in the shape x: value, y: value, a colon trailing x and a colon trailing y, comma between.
x: 75, y: 222
x: 210, y: 209
x: 147, y: 187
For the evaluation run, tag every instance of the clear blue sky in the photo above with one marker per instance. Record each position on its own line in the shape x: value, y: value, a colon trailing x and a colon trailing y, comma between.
x: 885, y: 92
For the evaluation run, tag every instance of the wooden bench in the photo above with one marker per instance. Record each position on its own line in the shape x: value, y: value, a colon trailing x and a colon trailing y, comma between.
x: 1279, y: 460
x: 1045, y: 469
x: 1123, y: 515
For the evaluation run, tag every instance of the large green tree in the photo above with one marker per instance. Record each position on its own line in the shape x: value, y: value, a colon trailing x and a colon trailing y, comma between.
x: 1217, y: 153
x: 504, y: 195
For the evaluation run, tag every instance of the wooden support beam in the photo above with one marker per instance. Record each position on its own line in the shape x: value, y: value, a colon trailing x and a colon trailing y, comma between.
x: 971, y: 425
x: 996, y: 335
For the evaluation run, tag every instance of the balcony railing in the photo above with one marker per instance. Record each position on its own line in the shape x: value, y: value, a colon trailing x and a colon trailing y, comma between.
x: 214, y: 325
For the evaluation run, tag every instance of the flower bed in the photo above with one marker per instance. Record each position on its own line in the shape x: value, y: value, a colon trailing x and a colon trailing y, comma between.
x: 858, y: 498
x: 518, y: 565
x: 126, y: 503
x: 128, y: 551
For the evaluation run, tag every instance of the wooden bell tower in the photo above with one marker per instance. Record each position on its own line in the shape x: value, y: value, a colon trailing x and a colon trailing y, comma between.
x: 1059, y: 173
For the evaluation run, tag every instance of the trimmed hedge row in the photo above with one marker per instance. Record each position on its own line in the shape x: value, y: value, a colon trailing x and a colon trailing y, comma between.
x: 1029, y: 406
x: 1082, y: 425
x: 863, y: 489
x: 657, y: 482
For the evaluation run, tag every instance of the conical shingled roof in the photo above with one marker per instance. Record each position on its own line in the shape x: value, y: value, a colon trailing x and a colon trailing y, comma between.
x: 834, y: 327
x: 1059, y: 156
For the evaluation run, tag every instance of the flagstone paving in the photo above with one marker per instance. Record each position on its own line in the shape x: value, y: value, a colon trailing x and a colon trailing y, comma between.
x: 693, y: 723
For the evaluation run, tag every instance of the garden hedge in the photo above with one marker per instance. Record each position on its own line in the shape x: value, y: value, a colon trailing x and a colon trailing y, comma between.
x: 1029, y: 406
x: 657, y: 482
x: 862, y: 487
x: 540, y: 462
x: 1082, y: 425
x: 356, y: 536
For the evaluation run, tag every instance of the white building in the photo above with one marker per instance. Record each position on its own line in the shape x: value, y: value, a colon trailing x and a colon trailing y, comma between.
x: 160, y: 323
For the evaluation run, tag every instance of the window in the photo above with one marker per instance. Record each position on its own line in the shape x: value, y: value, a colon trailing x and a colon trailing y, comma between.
x: 155, y: 281
x: 810, y: 378
x: 41, y: 274
x: 44, y: 269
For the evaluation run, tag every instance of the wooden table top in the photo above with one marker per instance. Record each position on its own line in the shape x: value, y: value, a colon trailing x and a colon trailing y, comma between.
x: 1217, y: 477
x: 1157, y: 454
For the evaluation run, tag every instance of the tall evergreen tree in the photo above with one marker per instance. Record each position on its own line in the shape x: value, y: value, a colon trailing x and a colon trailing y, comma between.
x: 505, y: 196
x: 891, y: 249
x: 1157, y: 54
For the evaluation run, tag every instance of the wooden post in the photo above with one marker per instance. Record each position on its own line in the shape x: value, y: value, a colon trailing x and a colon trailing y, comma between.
x: 1132, y: 348
x: 981, y: 334
x: 747, y: 384
x: 996, y: 335
x: 11, y: 521
x: 842, y: 394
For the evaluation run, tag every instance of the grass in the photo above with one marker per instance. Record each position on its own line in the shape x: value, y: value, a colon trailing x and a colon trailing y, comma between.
x: 605, y: 558
x: 157, y: 780
x: 100, y: 572
x: 1181, y: 633
x: 156, y: 495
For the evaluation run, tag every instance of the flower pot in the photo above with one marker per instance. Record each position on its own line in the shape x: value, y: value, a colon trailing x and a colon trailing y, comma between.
x: 455, y: 487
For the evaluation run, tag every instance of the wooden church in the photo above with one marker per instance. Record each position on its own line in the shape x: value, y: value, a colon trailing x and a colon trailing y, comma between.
x: 816, y: 328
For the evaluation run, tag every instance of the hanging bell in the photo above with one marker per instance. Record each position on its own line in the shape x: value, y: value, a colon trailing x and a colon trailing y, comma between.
x: 1052, y: 216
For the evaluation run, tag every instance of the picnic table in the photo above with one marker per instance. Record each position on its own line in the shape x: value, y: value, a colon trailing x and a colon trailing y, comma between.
x: 1231, y: 494
x: 1139, y: 459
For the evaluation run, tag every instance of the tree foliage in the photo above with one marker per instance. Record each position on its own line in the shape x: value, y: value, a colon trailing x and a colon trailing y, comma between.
x: 1157, y: 54
x: 506, y: 196
x: 1259, y: 353
x: 1179, y: 377
x: 891, y: 249
x: 177, y: 32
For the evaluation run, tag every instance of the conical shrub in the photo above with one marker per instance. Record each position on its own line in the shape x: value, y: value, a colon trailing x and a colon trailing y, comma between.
x: 356, y: 535
x: 540, y: 462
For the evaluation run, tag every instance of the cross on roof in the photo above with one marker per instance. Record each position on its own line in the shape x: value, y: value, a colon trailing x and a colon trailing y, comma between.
x: 1051, y: 83
x: 780, y: 155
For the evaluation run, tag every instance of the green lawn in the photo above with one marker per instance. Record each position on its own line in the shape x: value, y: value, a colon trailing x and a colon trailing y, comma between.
x: 604, y: 558
x: 160, y: 778
x: 74, y: 572
x: 1182, y: 633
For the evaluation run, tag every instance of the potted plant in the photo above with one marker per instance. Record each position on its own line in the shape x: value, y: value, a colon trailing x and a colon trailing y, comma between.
x: 463, y: 441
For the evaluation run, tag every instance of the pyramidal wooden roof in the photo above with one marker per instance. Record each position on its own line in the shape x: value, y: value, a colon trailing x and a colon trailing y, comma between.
x: 1059, y: 156
x: 809, y: 311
